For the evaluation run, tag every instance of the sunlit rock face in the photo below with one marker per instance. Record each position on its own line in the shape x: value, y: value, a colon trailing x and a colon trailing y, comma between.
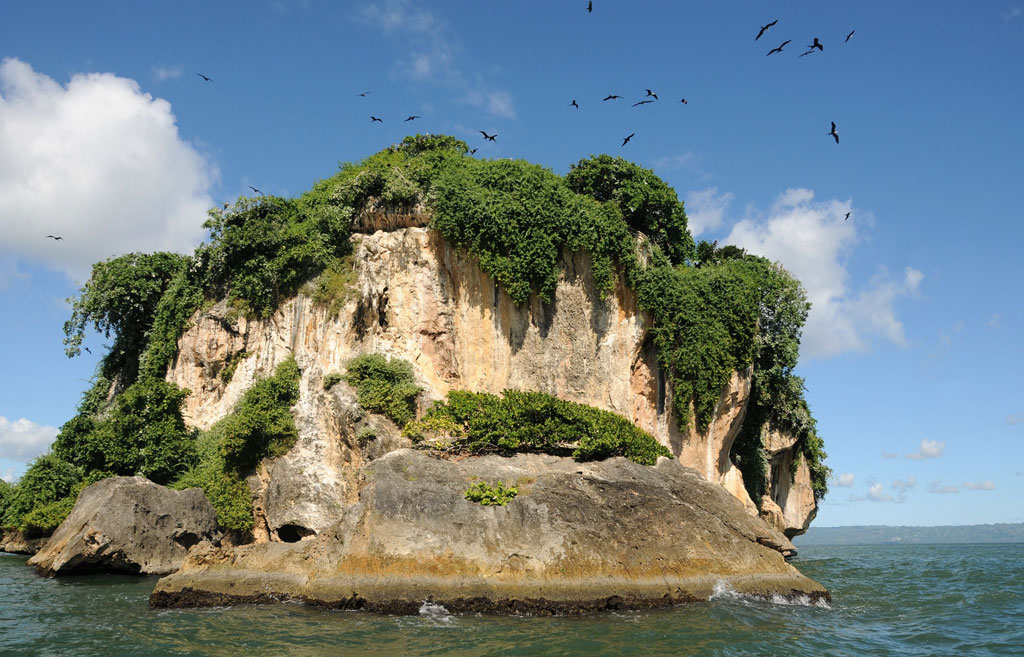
x: 417, y: 298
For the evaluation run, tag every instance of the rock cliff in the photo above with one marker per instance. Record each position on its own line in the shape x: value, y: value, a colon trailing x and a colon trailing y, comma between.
x: 417, y: 298
x: 578, y: 536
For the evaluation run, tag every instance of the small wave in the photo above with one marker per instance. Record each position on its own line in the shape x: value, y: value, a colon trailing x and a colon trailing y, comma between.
x: 723, y: 591
x: 433, y: 610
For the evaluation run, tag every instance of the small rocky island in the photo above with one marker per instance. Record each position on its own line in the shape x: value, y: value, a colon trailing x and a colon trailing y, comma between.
x: 433, y: 377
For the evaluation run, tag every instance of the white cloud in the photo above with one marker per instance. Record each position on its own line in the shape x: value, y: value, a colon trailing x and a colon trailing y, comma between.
x: 431, y: 53
x: 890, y: 455
x: 937, y: 488
x: 813, y: 240
x: 903, y: 485
x: 929, y: 449
x: 981, y: 485
x: 1010, y: 419
x: 97, y: 162
x: 162, y: 73
x: 1012, y: 13
x: 877, y: 494
x: 845, y: 480
x: 705, y: 209
x: 23, y: 440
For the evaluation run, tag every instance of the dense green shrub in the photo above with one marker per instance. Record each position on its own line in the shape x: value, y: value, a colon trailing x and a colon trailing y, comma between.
x: 384, y: 386
x: 529, y: 421
x: 491, y: 495
x: 231, y: 364
x: 6, y: 493
x: 48, y: 479
x: 143, y: 433
x: 332, y: 380
x: 261, y: 424
x: 224, y: 488
x: 647, y: 204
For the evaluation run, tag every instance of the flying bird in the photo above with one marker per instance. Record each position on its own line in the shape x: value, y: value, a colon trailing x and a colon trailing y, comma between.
x: 412, y: 118
x: 374, y: 118
x: 816, y: 44
x: 487, y: 136
x: 849, y: 35
x: 88, y: 349
x: 590, y: 6
x: 683, y: 101
x: 204, y: 77
x: 779, y: 49
x: 643, y: 102
x: 55, y: 238
x: 255, y: 190
x: 847, y: 215
x: 611, y: 97
x: 472, y: 151
x: 651, y: 93
x: 764, y: 28
x: 626, y: 140
x: 363, y: 95
x: 573, y: 104
x: 835, y: 133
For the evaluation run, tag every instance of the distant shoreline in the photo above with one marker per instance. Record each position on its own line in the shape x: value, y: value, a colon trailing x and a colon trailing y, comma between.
x: 911, y: 535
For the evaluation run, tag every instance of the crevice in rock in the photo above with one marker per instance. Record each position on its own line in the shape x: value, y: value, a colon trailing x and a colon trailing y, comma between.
x: 293, y: 533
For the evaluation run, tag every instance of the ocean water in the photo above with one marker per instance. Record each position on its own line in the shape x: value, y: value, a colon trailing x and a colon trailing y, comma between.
x: 887, y: 600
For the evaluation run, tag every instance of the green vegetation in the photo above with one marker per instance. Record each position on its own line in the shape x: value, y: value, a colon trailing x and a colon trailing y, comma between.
x: 232, y: 364
x: 142, y: 433
x: 332, y: 380
x: 260, y: 426
x: 531, y: 422
x: 384, y: 386
x: 491, y: 495
x: 48, y: 479
x: 365, y: 436
x: 714, y: 310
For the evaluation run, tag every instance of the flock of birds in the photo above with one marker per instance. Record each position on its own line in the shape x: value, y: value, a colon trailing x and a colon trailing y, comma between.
x: 651, y: 97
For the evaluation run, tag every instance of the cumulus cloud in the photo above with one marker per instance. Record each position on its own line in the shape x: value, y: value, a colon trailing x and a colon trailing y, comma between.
x: 903, y: 485
x: 162, y: 73
x: 97, y: 162
x: 876, y: 493
x: 705, y: 209
x: 929, y: 449
x: 939, y: 489
x: 845, y: 480
x: 23, y: 440
x: 813, y: 240
x: 981, y: 485
x: 431, y: 53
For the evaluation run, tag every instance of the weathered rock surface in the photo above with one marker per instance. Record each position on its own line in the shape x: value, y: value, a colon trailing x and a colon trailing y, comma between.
x: 419, y: 299
x: 789, y: 503
x: 16, y: 542
x: 131, y: 525
x: 579, y: 536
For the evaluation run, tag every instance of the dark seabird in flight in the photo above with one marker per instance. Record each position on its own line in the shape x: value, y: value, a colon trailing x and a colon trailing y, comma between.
x: 626, y: 140
x: 834, y: 132
x: 55, y: 238
x: 651, y: 93
x: 611, y: 97
x: 764, y: 28
x: 779, y: 49
x: 487, y: 136
x: 255, y: 190
x: 412, y: 118
x: 849, y: 35
x: 590, y: 6
x: 204, y: 77
x: 643, y: 102
x: 374, y: 118
x: 573, y: 104
x: 847, y: 215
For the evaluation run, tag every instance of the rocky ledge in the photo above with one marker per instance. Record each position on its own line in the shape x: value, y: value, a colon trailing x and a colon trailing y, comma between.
x: 128, y: 525
x: 577, y: 537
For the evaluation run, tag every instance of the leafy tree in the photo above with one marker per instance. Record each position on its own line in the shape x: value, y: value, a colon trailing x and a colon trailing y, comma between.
x: 120, y: 298
x: 646, y: 202
x: 48, y: 479
x: 261, y: 424
x: 142, y: 434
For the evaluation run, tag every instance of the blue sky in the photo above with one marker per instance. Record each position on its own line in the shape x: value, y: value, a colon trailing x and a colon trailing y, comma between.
x: 912, y: 354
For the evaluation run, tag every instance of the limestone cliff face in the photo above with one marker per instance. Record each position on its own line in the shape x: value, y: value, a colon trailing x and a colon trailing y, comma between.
x: 419, y: 299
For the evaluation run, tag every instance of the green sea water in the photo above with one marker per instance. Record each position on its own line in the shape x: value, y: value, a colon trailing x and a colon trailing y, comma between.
x: 887, y: 600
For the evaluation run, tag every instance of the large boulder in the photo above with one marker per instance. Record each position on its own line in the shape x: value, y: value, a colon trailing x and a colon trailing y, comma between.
x: 578, y: 536
x: 129, y: 525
